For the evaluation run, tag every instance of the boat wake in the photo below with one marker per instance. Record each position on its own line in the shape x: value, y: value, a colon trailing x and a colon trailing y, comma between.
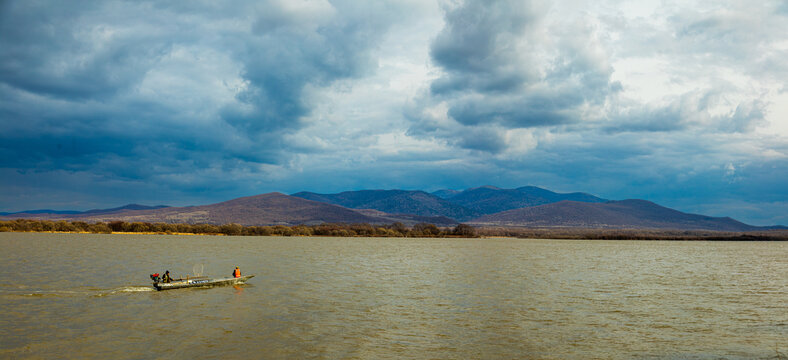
x: 125, y: 289
x: 41, y: 293
x: 38, y: 293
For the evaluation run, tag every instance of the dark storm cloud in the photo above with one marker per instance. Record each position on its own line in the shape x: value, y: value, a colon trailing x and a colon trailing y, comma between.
x: 483, y: 139
x: 477, y: 47
x: 63, y: 50
x: 286, y: 52
x: 79, y: 81
x: 500, y: 69
x: 516, y: 113
x: 691, y: 110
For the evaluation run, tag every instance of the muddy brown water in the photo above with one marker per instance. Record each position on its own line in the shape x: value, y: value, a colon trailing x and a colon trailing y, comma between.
x: 88, y: 296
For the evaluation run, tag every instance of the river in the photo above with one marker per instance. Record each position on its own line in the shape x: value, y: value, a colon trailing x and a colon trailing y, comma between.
x: 89, y: 296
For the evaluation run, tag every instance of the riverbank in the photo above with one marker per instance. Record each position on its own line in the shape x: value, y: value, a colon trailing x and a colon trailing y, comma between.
x: 493, y: 233
x: 332, y: 230
x: 631, y: 234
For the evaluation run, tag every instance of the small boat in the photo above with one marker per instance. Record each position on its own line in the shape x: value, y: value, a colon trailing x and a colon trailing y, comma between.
x: 200, y: 281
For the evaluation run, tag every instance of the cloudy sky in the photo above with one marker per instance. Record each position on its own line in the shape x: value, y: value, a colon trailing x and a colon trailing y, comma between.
x: 182, y: 103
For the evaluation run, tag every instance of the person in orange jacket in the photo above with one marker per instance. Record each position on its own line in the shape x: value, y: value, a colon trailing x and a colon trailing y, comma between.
x: 237, y: 272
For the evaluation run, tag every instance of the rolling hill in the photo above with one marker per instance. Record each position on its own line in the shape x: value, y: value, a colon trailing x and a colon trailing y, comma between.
x: 490, y: 199
x: 265, y: 209
x: 445, y: 193
x: 625, y: 214
x: 28, y: 213
x: 395, y: 202
x: 459, y: 205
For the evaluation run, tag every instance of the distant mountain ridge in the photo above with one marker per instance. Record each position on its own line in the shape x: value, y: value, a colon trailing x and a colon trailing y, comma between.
x: 490, y: 199
x: 40, y: 211
x: 445, y: 193
x: 526, y: 206
x: 611, y: 214
x: 394, y: 202
x: 93, y: 211
x: 264, y: 209
x: 460, y: 205
x: 124, y: 208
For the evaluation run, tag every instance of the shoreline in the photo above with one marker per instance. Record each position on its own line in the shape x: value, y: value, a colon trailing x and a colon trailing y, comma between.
x: 576, y: 234
x: 633, y: 234
x: 394, y: 230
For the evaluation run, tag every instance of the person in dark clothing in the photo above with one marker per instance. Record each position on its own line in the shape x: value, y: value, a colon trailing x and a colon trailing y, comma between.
x: 166, y: 277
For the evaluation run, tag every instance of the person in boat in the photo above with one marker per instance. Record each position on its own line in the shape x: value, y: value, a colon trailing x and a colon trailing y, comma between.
x: 166, y: 277
x: 237, y: 272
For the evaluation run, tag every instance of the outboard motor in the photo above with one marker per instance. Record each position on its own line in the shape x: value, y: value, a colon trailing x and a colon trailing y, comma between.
x: 154, y: 277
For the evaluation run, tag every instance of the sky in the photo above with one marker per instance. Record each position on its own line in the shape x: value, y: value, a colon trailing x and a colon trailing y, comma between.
x: 106, y: 103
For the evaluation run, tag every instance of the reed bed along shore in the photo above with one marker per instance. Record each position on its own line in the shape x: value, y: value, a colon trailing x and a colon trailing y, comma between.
x: 391, y: 230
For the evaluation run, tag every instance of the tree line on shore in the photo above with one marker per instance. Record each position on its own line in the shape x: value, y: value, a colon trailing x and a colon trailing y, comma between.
x: 391, y: 230
x: 341, y: 230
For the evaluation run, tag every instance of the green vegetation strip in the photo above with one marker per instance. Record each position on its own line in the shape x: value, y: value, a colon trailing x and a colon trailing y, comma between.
x: 392, y: 230
x: 343, y: 230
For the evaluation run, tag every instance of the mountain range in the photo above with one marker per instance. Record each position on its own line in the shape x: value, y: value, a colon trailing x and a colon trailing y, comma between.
x: 639, y: 214
x: 94, y: 211
x: 527, y: 206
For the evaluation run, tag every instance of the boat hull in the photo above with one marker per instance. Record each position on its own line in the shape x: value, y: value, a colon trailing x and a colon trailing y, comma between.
x: 201, y: 282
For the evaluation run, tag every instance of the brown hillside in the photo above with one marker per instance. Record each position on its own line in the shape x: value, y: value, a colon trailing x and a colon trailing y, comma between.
x: 614, y: 214
x: 265, y: 209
